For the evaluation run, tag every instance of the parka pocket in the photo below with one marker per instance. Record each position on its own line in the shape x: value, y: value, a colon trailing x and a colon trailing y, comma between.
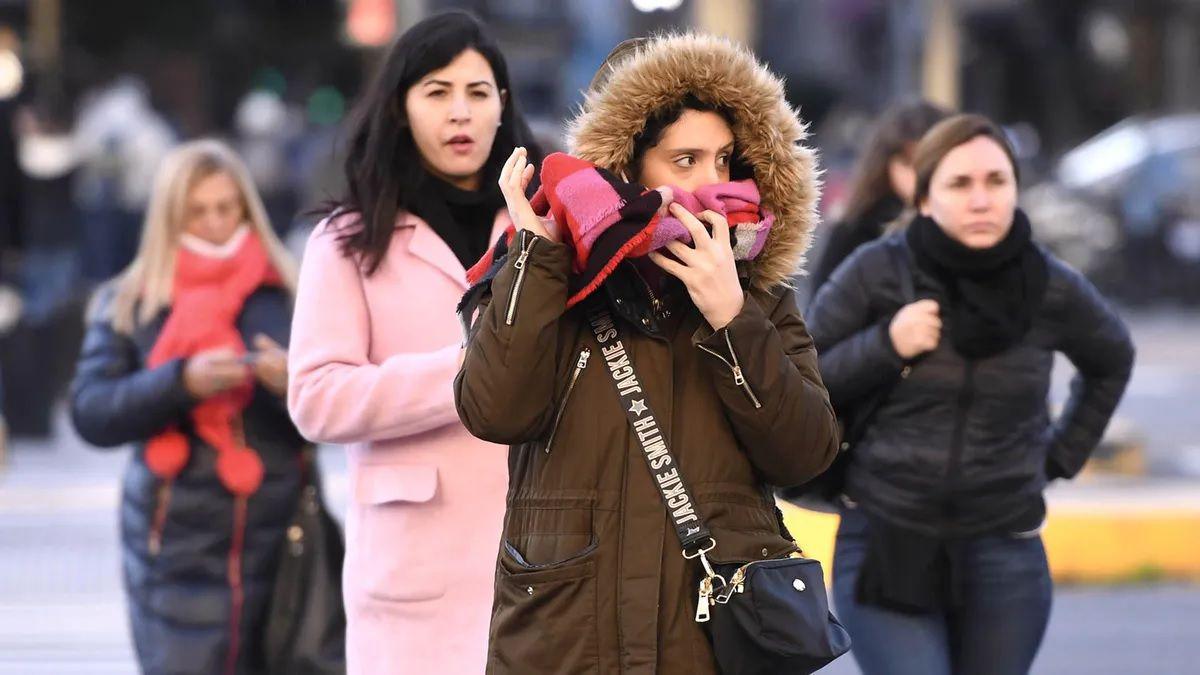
x: 544, y: 616
x: 548, y: 531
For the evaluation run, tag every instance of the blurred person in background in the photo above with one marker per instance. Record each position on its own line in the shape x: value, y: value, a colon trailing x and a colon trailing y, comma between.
x: 268, y: 129
x: 939, y: 565
x: 376, y: 344
x: 10, y: 241
x: 40, y: 351
x: 184, y: 357
x: 121, y: 139
x: 881, y: 186
x: 590, y: 576
x: 50, y: 221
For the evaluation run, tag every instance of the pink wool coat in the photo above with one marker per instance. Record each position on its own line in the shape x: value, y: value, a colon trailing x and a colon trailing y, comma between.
x: 371, y: 365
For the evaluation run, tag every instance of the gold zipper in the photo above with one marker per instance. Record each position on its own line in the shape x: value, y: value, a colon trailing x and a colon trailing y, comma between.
x: 655, y: 304
x: 580, y: 364
x: 739, y: 378
x: 519, y: 264
x: 737, y: 581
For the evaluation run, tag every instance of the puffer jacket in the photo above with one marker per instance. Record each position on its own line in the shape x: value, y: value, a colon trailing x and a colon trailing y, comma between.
x: 965, y: 446
x: 590, y: 576
x: 179, y: 590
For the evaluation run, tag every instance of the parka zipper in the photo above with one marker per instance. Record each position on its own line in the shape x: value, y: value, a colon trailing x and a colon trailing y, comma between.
x: 656, y: 303
x: 233, y: 572
x: 966, y: 397
x: 739, y: 378
x: 519, y: 264
x: 158, y: 521
x: 580, y: 364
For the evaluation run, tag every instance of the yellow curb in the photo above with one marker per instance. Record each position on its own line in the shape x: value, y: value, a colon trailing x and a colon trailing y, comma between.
x: 1100, y: 546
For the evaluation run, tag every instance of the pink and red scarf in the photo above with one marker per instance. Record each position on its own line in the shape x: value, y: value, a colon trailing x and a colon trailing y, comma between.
x: 605, y: 220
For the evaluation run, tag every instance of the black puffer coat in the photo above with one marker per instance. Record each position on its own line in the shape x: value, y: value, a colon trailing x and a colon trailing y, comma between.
x: 960, y: 446
x: 845, y: 237
x: 180, y: 599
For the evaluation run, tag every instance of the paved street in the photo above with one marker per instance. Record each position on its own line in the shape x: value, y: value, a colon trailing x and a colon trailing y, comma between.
x: 61, y: 604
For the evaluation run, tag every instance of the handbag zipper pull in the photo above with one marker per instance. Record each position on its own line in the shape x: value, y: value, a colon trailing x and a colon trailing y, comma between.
x: 702, y: 608
x: 702, y: 601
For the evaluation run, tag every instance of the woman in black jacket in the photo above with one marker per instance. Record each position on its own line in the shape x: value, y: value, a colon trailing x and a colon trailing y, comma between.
x: 882, y: 184
x: 183, y: 357
x: 939, y: 562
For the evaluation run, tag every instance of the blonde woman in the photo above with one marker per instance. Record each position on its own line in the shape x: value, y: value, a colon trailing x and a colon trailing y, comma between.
x: 183, y: 358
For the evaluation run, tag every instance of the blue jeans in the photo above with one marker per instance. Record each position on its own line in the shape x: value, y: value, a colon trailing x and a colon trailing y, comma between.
x: 1007, y: 595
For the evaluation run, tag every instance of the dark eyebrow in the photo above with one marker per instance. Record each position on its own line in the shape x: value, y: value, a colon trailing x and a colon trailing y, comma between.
x: 444, y: 83
x: 696, y: 151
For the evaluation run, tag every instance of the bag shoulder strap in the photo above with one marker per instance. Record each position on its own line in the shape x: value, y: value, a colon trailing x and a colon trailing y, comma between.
x: 898, y: 254
x: 665, y: 472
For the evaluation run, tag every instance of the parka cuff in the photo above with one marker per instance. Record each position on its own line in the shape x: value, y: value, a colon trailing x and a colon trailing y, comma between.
x: 174, y: 387
x: 889, y: 347
x: 749, y: 320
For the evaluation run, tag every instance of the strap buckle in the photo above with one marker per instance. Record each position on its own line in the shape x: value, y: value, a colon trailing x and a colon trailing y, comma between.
x: 712, y: 543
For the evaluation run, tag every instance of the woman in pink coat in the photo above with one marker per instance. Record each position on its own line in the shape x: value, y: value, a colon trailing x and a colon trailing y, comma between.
x: 376, y: 345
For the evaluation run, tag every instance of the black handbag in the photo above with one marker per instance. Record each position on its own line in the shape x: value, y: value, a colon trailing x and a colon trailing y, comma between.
x: 779, y: 607
x: 305, y: 633
x: 823, y: 492
x: 765, y: 616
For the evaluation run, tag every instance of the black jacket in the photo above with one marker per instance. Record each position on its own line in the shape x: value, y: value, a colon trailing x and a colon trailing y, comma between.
x: 845, y: 237
x: 180, y: 598
x: 965, y: 446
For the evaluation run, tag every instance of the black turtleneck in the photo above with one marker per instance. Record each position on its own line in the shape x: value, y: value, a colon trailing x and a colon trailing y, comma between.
x: 462, y: 218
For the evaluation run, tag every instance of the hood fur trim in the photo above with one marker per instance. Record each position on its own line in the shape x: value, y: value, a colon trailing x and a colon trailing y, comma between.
x: 768, y: 133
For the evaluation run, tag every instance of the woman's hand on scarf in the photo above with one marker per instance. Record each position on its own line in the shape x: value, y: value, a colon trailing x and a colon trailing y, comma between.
x: 708, y: 270
x: 270, y: 365
x: 514, y: 179
x: 212, y: 372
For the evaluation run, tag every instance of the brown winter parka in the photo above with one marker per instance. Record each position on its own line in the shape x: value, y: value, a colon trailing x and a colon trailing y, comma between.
x: 590, y: 578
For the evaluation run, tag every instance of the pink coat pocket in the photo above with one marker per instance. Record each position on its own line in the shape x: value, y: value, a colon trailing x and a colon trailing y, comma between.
x: 399, y: 530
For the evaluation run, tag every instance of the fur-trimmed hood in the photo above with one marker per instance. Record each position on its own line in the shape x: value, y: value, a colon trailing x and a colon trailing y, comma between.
x: 768, y: 134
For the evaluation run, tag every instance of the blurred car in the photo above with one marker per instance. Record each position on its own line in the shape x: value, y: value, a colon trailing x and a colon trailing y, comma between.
x: 1145, y: 173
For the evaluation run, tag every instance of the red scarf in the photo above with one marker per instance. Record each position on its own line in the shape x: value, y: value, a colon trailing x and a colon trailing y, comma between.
x: 208, y: 296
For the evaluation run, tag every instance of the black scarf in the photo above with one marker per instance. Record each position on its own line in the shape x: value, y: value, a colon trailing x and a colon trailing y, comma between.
x: 992, y: 294
x: 462, y: 218
x: 910, y: 572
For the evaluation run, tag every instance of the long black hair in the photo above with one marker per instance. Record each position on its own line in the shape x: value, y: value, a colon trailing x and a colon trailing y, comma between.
x: 898, y: 130
x: 383, y: 167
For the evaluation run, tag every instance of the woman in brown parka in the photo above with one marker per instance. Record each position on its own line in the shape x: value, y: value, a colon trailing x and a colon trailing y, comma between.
x: 590, y: 576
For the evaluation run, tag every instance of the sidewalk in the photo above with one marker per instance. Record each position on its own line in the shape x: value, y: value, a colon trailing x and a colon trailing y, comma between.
x: 62, y: 608
x: 1098, y: 530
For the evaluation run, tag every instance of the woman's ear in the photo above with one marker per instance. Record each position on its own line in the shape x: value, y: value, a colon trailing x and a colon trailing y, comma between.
x: 503, y: 102
x: 923, y: 207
